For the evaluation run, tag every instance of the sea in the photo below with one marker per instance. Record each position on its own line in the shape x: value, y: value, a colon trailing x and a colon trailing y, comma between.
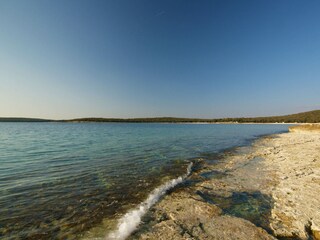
x: 97, y: 180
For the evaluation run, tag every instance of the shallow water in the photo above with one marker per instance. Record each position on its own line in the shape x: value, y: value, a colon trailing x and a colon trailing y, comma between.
x: 252, y: 206
x: 61, y: 180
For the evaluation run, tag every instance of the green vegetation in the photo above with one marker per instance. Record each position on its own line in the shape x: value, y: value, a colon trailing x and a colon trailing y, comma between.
x: 305, y: 117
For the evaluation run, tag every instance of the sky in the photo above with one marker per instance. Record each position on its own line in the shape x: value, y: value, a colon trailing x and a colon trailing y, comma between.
x: 145, y: 58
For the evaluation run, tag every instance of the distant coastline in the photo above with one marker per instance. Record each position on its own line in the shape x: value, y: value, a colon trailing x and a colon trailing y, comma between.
x: 16, y: 119
x: 304, y: 117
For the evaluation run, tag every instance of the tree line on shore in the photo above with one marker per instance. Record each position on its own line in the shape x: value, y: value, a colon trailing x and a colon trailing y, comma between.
x: 305, y: 117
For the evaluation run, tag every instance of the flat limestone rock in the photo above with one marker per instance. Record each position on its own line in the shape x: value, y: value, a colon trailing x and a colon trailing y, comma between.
x: 227, y: 227
x: 186, y: 207
x: 219, y: 228
x: 278, y: 177
x: 295, y: 159
x: 182, y: 215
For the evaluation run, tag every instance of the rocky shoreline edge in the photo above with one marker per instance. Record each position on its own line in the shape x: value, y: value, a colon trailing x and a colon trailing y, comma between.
x: 268, y: 190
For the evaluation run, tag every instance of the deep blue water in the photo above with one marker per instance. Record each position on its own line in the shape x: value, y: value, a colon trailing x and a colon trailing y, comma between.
x: 58, y: 180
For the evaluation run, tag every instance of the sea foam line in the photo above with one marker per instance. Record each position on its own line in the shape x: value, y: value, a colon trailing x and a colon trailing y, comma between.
x: 131, y: 220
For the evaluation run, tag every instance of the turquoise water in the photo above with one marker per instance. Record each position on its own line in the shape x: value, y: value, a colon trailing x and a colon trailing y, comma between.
x: 59, y: 180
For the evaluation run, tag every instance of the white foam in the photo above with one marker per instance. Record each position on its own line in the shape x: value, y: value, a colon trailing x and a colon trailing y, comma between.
x: 131, y: 220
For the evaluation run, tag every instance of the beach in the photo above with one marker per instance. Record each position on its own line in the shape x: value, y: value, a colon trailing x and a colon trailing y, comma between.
x: 236, y: 181
x: 78, y: 180
x: 264, y: 191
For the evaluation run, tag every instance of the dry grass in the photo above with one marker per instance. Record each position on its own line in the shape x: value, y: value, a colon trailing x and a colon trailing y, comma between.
x: 305, y: 127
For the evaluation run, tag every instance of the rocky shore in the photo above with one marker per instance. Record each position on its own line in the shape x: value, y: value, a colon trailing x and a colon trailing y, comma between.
x: 265, y: 191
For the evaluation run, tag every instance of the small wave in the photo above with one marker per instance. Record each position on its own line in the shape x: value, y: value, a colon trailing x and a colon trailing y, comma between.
x: 131, y: 220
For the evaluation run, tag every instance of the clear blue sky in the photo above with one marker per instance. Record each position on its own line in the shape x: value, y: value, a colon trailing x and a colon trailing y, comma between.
x: 69, y: 59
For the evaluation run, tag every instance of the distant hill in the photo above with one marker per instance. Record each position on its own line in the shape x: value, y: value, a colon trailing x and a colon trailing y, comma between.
x: 305, y: 117
x: 141, y: 120
x: 7, y: 119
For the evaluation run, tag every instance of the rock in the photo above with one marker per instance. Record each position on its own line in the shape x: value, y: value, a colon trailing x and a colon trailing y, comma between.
x: 165, y: 230
x: 315, y: 231
x: 287, y: 178
x: 183, y: 215
x: 227, y: 227
x: 187, y: 207
x: 316, y: 234
x: 219, y: 228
